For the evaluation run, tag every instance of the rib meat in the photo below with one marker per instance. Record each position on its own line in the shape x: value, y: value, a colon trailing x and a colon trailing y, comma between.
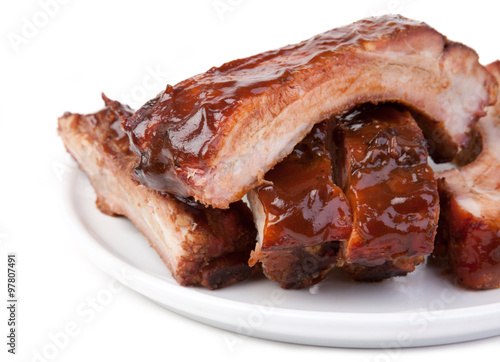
x: 215, y: 135
x: 380, y: 162
x: 300, y: 215
x: 469, y: 227
x: 200, y: 245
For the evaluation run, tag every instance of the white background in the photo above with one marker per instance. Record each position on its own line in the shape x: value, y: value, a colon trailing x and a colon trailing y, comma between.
x: 60, y: 58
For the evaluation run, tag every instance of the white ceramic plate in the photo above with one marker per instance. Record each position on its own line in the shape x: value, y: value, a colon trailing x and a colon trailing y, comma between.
x: 422, y: 309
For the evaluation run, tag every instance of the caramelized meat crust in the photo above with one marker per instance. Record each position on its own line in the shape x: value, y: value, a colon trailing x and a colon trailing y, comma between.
x: 215, y: 135
x: 299, y: 267
x: 200, y: 245
x: 381, y: 164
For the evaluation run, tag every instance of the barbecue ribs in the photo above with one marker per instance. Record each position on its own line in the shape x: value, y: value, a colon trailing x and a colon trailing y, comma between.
x: 300, y: 215
x: 380, y: 161
x: 469, y: 226
x: 199, y: 245
x: 215, y: 135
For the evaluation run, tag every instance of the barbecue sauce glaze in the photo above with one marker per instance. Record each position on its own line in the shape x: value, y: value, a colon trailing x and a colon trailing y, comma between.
x: 301, y: 203
x: 381, y: 164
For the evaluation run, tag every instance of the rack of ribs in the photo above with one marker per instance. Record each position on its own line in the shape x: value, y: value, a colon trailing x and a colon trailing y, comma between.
x: 199, y: 245
x: 214, y: 136
x: 469, y: 226
x: 380, y: 161
x: 365, y: 99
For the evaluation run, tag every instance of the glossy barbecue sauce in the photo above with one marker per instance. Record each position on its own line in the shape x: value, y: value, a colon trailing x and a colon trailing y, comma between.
x: 381, y: 164
x: 181, y: 130
x: 303, y: 206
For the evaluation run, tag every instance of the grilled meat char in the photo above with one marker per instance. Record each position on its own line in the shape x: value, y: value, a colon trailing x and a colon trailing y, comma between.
x: 300, y: 215
x: 215, y: 135
x: 199, y: 245
x: 380, y: 161
x: 469, y: 226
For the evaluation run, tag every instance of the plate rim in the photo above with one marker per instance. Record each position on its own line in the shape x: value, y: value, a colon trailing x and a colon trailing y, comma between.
x: 110, y: 263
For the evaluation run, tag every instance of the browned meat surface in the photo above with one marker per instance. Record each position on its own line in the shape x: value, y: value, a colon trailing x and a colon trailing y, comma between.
x: 469, y: 227
x: 300, y: 215
x: 200, y: 245
x: 380, y: 162
x: 299, y: 267
x: 215, y: 135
